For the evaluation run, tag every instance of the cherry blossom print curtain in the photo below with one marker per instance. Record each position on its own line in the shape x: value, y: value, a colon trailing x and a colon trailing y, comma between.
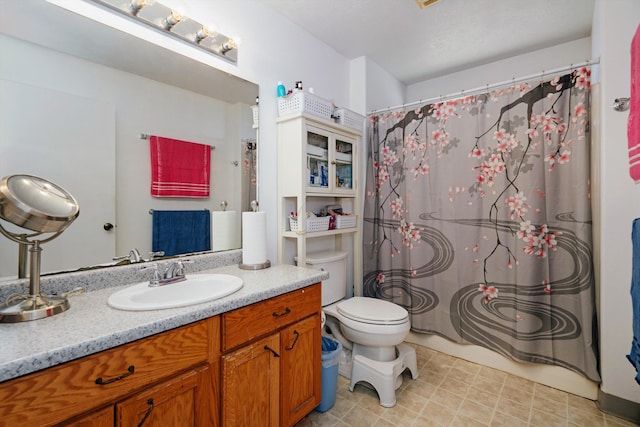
x: 477, y: 220
x: 250, y: 170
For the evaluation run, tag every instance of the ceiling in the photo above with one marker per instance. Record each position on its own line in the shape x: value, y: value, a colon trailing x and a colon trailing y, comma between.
x: 415, y: 44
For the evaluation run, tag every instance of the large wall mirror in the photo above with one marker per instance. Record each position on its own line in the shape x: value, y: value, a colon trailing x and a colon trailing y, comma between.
x: 76, y: 97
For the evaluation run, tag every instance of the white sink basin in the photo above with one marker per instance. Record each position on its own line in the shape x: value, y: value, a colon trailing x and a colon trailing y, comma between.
x: 196, y: 289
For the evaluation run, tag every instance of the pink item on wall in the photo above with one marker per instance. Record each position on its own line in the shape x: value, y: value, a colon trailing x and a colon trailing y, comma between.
x: 633, y: 125
x: 179, y: 168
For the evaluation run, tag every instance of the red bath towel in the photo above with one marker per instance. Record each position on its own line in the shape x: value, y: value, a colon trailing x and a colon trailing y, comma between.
x: 179, y: 168
x: 633, y: 125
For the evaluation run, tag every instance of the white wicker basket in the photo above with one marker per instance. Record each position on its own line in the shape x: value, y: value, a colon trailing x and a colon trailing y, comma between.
x: 349, y: 119
x: 320, y: 223
x: 346, y: 221
x: 304, y: 102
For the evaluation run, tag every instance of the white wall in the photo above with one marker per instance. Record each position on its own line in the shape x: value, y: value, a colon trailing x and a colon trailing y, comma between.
x: 619, y: 204
x: 382, y: 89
x: 518, y: 66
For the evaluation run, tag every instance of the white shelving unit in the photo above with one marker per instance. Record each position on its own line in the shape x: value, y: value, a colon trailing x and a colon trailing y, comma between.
x: 317, y: 167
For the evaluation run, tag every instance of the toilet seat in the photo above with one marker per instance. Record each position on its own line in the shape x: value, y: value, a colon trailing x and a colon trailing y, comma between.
x: 372, y: 311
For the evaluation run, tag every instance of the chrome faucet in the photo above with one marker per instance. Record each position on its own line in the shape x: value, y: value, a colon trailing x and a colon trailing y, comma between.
x: 152, y: 255
x: 134, y: 256
x: 172, y: 274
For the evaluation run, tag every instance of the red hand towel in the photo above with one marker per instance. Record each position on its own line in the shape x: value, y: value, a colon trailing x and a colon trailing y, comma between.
x: 633, y: 125
x: 179, y: 168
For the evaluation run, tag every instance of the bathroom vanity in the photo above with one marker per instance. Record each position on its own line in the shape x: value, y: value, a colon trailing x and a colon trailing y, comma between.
x: 251, y: 358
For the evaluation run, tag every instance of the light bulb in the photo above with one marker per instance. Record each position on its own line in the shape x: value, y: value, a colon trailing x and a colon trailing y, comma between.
x: 171, y: 20
x: 201, y: 34
x: 227, y: 46
x: 136, y: 6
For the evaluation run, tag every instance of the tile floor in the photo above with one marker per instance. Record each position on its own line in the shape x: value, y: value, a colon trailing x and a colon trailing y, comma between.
x: 454, y: 392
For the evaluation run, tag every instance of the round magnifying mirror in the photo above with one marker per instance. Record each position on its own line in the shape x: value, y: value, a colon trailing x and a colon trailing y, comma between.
x: 36, y: 204
x: 44, y: 207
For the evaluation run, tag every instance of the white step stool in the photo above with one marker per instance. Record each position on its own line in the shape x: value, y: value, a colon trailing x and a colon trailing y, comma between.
x: 385, y: 377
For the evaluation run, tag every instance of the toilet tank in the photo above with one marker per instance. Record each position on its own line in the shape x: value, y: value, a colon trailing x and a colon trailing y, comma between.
x: 335, y: 263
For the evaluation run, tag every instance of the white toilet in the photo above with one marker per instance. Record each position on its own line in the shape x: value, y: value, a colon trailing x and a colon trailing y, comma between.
x: 373, y: 329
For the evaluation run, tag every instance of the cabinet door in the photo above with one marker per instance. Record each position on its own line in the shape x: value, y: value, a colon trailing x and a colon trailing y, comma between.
x: 300, y: 369
x: 250, y: 384
x: 344, y: 162
x: 318, y: 171
x: 171, y: 403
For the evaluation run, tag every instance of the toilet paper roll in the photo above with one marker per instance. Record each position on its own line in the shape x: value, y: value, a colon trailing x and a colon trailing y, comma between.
x: 254, y: 238
x: 225, y: 230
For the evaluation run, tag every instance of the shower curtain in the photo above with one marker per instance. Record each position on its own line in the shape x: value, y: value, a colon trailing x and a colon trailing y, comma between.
x: 478, y: 220
x: 249, y: 171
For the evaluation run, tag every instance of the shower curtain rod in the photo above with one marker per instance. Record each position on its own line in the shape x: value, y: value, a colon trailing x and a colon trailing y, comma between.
x: 489, y: 86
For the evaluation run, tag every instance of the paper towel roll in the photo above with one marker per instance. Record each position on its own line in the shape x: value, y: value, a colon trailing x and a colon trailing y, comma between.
x: 225, y: 230
x: 254, y: 238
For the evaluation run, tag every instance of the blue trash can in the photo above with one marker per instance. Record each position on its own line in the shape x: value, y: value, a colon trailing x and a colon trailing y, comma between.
x: 331, y: 350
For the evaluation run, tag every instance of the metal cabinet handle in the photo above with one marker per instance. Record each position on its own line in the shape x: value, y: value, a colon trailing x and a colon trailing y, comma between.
x: 286, y: 311
x: 130, y: 370
x: 266, y: 347
x: 146, y: 414
x: 295, y: 340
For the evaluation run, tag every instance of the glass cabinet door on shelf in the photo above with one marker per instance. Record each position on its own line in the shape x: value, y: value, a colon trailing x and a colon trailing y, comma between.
x: 317, y: 160
x: 330, y: 162
x: 343, y: 164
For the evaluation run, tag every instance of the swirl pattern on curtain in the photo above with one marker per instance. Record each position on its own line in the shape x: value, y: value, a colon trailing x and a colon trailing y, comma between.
x: 478, y: 220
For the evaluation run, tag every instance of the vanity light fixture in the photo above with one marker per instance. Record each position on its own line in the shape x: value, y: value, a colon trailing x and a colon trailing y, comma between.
x: 173, y: 23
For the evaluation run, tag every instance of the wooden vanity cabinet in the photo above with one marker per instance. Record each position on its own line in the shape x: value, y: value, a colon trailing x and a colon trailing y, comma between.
x: 272, y: 360
x: 57, y: 395
x: 259, y: 365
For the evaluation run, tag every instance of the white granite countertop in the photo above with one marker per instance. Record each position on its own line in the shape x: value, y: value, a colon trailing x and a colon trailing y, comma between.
x: 91, y: 326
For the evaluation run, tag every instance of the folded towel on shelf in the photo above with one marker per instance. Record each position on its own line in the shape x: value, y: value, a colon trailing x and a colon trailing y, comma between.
x: 633, y: 124
x: 634, y: 355
x: 181, y: 232
x: 179, y: 168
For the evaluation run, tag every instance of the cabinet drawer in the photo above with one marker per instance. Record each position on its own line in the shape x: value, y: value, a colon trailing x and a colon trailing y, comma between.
x: 244, y: 324
x: 53, y: 395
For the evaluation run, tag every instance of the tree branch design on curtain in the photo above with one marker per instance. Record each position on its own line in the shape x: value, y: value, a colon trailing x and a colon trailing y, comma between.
x: 478, y: 220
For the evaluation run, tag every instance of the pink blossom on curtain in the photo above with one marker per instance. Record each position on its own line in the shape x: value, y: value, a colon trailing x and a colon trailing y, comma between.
x: 478, y: 220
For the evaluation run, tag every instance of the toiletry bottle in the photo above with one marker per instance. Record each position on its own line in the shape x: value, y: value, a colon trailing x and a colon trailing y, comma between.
x: 323, y: 176
x: 281, y: 90
x: 298, y: 85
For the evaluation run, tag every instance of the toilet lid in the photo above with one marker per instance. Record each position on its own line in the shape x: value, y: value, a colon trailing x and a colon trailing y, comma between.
x: 372, y: 310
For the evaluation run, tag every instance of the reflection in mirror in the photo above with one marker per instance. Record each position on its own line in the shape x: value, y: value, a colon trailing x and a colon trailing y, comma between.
x: 75, y: 103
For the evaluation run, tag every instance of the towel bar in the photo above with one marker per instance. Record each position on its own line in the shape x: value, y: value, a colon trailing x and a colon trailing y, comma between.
x: 146, y: 136
x: 151, y: 211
